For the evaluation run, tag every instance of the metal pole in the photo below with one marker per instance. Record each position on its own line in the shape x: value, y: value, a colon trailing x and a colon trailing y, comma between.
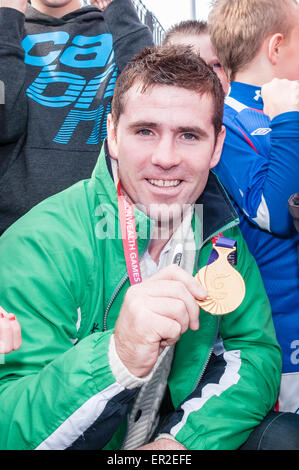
x: 193, y: 9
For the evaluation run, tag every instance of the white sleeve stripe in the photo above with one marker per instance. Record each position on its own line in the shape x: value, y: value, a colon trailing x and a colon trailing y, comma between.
x: 78, y: 324
x: 229, y: 378
x: 74, y: 426
x: 262, y: 218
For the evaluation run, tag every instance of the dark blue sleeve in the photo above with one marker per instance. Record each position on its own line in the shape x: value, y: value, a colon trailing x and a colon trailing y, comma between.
x: 104, y: 426
x: 130, y: 35
x: 260, y: 169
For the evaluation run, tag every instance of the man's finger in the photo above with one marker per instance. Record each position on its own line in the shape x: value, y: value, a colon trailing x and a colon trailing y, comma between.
x: 166, y: 329
x: 10, y: 332
x: 174, y: 272
x: 16, y: 331
x: 176, y: 290
x: 174, y: 309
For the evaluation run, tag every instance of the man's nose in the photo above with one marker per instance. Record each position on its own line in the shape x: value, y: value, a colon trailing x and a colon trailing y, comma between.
x: 165, y: 153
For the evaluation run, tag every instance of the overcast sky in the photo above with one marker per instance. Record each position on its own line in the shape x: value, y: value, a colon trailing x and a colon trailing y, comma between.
x: 169, y: 12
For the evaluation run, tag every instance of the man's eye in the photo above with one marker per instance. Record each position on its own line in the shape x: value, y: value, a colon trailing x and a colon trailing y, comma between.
x: 189, y: 136
x: 144, y: 132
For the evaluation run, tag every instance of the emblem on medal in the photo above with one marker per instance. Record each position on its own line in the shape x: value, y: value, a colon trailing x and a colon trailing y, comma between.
x: 224, y: 284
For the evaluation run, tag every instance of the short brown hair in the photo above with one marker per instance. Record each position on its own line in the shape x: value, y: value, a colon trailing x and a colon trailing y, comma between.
x: 175, y: 65
x: 239, y: 27
x: 187, y: 28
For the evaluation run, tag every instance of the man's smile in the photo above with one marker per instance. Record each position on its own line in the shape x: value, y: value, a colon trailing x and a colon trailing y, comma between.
x: 164, y: 183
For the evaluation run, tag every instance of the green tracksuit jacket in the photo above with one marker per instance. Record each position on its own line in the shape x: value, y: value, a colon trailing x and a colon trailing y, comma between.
x: 63, y: 274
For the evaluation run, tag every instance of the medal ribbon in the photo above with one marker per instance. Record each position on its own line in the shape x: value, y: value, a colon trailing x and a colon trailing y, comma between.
x: 129, y: 236
x: 220, y: 240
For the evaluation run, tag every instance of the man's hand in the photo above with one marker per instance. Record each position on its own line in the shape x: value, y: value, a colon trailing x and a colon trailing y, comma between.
x: 10, y: 332
x: 154, y: 314
x: 101, y: 4
x: 16, y: 4
x: 280, y: 96
x: 163, y: 444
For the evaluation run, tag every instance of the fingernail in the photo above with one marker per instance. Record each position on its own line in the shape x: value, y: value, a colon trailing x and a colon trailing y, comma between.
x: 13, y: 317
x: 195, y: 326
x: 1, y: 315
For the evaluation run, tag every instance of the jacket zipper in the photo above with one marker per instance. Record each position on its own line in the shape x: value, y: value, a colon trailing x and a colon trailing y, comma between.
x: 115, y: 294
x: 208, y: 358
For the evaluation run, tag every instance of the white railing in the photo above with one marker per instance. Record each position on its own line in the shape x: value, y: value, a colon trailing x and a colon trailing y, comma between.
x: 147, y: 18
x: 150, y: 20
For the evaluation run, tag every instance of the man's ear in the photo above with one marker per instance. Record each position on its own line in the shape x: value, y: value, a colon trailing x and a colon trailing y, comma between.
x: 274, y: 47
x: 218, y: 148
x: 111, y: 138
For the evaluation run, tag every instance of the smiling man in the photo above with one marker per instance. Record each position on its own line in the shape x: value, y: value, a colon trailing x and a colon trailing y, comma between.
x: 156, y: 139
x: 113, y: 355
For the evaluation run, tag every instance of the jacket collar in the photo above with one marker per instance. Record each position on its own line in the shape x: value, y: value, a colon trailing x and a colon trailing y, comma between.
x: 247, y: 94
x: 217, y: 212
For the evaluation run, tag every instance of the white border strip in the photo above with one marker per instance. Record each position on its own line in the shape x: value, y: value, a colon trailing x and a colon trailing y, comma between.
x: 230, y: 377
x: 69, y: 431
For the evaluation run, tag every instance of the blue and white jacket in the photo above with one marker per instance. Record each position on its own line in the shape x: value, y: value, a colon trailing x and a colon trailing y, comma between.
x: 259, y: 168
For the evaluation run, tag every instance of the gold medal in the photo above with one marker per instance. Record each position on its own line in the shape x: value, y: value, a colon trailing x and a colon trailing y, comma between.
x: 224, y: 284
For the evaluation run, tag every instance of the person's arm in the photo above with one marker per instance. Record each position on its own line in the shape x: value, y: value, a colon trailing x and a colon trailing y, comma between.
x: 101, y: 4
x: 13, y: 110
x: 19, y: 5
x: 57, y: 395
x: 130, y: 35
x: 240, y: 384
x: 259, y: 182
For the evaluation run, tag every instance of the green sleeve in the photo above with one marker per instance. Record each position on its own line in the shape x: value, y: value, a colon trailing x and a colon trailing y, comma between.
x: 48, y: 378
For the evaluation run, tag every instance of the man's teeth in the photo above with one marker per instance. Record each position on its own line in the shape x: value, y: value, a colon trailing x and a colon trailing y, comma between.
x: 164, y: 183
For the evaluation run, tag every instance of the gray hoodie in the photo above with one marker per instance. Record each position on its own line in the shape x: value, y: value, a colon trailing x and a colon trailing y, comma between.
x: 58, y: 76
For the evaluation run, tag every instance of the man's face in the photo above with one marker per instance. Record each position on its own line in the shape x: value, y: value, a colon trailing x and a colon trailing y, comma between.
x: 288, y: 64
x: 165, y: 146
x: 202, y: 45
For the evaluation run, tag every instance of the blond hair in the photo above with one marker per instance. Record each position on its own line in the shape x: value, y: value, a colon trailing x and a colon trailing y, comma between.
x: 186, y: 28
x: 238, y: 29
